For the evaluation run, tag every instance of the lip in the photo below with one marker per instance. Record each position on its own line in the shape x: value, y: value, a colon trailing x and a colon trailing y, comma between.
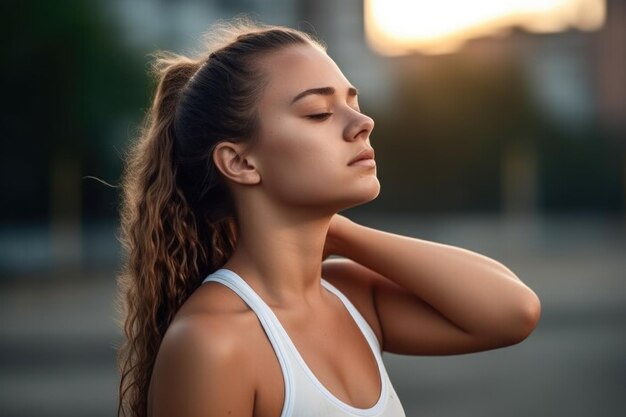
x: 365, y: 155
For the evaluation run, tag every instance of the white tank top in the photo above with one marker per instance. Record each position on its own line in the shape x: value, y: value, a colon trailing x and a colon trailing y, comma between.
x: 305, y: 396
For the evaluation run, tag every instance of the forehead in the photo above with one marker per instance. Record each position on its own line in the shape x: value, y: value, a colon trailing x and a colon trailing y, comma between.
x: 298, y: 68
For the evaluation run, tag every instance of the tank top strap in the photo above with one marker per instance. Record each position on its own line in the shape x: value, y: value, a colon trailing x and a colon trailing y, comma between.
x: 366, y: 329
x: 266, y: 318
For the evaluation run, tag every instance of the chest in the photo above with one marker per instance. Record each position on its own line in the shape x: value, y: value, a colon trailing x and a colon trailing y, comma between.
x: 334, y: 350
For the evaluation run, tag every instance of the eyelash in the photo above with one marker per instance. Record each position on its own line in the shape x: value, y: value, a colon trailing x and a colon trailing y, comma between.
x: 320, y: 116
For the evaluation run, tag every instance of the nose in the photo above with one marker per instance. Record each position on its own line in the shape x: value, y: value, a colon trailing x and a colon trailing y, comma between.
x: 359, y: 127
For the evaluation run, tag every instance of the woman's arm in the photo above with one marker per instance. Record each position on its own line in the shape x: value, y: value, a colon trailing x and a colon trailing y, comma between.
x: 432, y: 298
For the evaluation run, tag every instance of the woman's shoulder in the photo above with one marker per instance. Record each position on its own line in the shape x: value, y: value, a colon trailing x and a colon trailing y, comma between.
x: 213, y: 315
x: 206, y: 345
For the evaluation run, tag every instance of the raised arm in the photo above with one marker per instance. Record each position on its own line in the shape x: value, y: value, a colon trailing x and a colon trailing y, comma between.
x: 430, y: 298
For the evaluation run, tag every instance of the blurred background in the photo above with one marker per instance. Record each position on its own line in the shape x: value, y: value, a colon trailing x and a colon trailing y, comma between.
x: 500, y: 128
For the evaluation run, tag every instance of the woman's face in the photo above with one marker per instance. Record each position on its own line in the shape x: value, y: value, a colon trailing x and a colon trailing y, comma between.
x: 310, y: 129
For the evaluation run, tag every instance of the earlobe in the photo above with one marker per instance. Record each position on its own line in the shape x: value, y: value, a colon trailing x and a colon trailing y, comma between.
x: 234, y: 164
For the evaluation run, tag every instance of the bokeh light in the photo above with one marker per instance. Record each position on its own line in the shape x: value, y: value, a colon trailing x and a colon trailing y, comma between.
x: 396, y: 27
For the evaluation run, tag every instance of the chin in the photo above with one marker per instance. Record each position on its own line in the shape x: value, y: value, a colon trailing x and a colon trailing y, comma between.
x: 335, y: 199
x: 373, y: 191
x: 365, y: 195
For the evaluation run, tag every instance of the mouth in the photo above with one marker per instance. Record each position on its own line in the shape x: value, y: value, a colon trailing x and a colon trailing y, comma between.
x: 364, y: 158
x: 369, y: 162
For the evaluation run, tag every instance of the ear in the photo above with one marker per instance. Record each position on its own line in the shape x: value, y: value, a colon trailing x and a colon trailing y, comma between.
x: 235, y: 164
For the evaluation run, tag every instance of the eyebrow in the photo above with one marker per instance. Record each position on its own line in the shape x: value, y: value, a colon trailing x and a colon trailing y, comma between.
x: 324, y: 91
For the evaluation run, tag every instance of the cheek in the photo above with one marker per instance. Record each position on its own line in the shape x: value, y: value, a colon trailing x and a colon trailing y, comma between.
x: 301, y: 170
x: 309, y: 167
x: 299, y: 163
x: 315, y: 181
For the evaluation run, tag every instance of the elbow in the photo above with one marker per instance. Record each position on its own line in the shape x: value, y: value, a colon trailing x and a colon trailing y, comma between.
x: 525, y: 318
x: 514, y: 320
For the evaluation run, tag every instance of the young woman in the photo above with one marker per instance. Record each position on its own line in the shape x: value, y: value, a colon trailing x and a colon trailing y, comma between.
x: 231, y: 195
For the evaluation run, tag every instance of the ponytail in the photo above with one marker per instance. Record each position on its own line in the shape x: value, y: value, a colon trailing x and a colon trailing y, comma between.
x: 166, y: 242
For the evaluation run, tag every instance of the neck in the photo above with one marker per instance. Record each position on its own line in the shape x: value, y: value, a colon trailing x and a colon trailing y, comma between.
x: 279, y: 253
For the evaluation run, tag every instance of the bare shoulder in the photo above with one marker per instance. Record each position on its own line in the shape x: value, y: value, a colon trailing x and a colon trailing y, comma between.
x: 357, y: 283
x: 201, y: 367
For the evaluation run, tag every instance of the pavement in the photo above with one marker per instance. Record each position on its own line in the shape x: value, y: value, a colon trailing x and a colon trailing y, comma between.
x: 58, y: 335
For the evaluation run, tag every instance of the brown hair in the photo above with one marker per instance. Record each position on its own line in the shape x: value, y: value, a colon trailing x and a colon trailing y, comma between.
x: 177, y: 218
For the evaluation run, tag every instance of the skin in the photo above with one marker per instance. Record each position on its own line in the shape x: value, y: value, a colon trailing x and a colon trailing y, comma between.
x: 419, y: 297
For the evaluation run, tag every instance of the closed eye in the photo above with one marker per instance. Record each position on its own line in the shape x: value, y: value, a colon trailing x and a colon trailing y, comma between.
x: 319, y: 116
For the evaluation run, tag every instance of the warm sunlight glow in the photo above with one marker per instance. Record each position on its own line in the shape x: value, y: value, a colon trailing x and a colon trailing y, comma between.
x: 397, y: 27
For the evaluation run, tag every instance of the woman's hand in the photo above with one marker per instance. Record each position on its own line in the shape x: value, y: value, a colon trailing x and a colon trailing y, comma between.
x: 337, y: 229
